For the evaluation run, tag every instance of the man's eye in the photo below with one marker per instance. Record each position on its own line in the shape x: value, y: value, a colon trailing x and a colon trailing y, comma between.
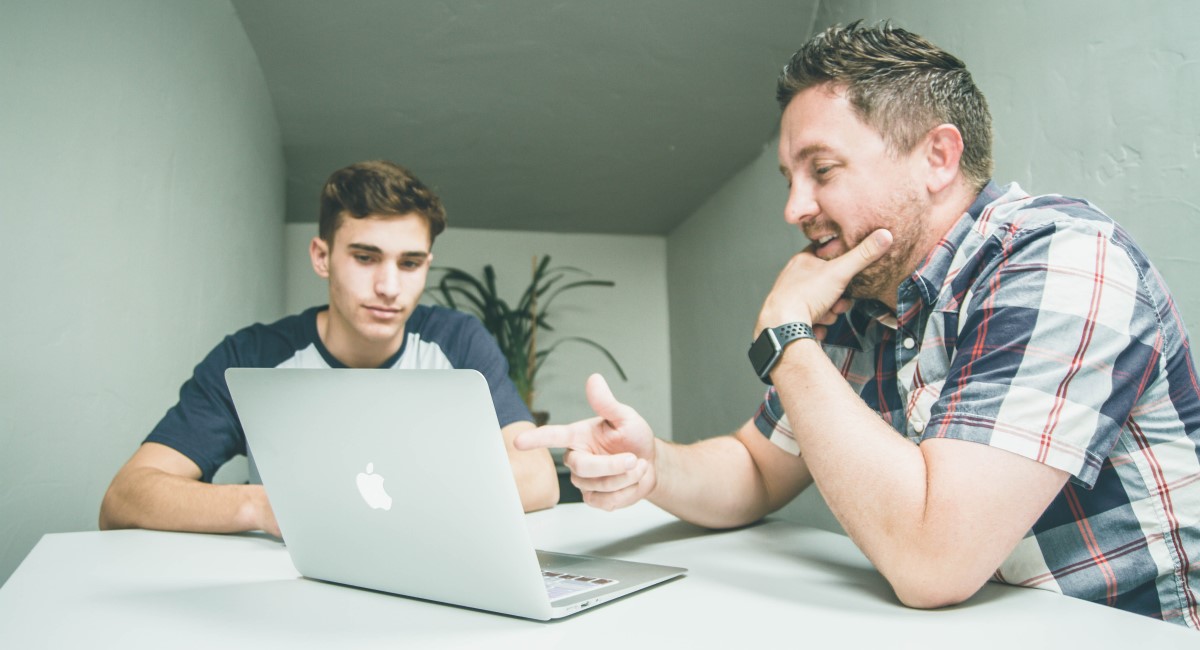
x: 363, y: 259
x: 823, y: 170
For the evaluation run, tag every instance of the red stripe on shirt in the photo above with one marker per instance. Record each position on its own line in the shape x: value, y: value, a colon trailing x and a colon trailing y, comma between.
x: 1089, y: 539
x: 1089, y: 329
x: 1164, y: 498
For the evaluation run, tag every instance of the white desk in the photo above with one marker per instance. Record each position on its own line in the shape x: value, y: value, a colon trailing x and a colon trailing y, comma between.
x: 768, y: 586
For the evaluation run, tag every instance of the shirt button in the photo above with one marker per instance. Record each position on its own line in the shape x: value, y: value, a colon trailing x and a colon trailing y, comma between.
x: 909, y: 343
x: 918, y: 426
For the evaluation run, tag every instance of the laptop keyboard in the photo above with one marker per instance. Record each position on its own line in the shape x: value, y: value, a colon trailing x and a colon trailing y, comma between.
x: 560, y: 585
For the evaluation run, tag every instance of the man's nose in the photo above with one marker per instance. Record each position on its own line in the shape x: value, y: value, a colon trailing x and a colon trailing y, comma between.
x: 387, y: 281
x: 801, y: 204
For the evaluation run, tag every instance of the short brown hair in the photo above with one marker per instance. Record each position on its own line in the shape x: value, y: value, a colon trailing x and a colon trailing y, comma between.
x: 900, y: 84
x: 377, y: 187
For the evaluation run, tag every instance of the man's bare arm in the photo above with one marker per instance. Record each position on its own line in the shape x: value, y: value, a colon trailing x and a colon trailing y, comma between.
x: 726, y: 481
x: 937, y: 519
x: 537, y: 479
x: 615, y: 461
x: 160, y: 488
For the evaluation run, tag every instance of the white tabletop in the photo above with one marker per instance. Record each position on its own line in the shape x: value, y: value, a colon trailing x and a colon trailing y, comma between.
x: 772, y: 585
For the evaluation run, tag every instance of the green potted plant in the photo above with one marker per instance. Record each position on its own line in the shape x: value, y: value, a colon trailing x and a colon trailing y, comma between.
x: 516, y: 327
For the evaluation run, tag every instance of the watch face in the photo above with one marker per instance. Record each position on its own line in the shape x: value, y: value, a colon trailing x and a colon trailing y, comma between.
x: 763, y: 352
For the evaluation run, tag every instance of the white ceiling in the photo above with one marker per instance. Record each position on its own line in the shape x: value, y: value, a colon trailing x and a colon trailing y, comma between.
x: 603, y: 116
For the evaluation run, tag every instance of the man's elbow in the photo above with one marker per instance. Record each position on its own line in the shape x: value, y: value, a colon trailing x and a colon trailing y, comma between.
x: 104, y: 521
x: 121, y: 506
x: 932, y: 591
x: 539, y: 490
x: 108, y: 519
x: 541, y: 497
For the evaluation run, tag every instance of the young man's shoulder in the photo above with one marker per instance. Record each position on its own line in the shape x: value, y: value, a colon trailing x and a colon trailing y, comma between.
x: 267, y: 344
x: 459, y: 335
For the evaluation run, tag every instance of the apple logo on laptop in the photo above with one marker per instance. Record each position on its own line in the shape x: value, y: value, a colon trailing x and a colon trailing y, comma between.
x: 370, y: 485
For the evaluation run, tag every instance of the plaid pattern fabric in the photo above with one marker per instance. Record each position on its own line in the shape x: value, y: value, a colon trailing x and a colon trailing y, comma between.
x: 1038, y: 326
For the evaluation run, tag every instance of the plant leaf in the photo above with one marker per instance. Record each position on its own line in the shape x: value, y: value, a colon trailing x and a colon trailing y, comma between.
x: 586, y: 341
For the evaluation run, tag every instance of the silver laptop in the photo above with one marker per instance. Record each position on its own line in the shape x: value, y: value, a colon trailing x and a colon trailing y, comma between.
x: 398, y: 481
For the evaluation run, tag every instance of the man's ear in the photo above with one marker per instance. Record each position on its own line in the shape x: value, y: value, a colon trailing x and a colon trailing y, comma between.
x: 318, y: 250
x: 943, y: 153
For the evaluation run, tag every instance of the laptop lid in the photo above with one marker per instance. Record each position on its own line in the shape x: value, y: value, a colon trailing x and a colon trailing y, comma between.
x: 398, y: 481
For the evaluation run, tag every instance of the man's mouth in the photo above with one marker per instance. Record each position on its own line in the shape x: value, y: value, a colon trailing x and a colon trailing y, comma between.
x: 383, y: 312
x: 824, y: 249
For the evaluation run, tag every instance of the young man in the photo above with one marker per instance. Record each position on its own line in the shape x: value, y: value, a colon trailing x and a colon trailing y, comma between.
x: 1024, y: 349
x: 377, y: 226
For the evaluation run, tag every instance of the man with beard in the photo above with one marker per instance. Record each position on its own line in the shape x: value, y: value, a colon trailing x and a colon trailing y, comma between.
x: 1023, y: 347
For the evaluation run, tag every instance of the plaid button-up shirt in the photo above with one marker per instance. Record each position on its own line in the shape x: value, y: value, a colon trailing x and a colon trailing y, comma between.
x: 1038, y: 326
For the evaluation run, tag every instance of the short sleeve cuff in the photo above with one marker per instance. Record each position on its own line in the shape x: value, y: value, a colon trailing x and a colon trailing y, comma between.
x: 1082, y: 464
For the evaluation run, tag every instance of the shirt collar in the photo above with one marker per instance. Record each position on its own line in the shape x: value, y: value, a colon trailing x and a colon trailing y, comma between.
x: 931, y: 274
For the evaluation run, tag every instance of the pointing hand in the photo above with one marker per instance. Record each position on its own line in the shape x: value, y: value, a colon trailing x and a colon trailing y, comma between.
x: 611, y: 456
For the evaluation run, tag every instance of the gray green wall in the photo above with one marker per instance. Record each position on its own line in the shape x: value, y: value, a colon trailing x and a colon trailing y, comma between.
x: 142, y: 219
x: 1098, y: 100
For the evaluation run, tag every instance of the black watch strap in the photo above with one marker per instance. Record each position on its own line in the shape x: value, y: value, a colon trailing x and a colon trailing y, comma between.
x: 764, y: 353
x: 791, y: 331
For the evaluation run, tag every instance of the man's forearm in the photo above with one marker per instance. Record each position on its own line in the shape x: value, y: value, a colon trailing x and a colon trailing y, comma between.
x: 712, y: 483
x: 873, y: 479
x: 533, y: 470
x: 150, y: 498
x: 537, y: 481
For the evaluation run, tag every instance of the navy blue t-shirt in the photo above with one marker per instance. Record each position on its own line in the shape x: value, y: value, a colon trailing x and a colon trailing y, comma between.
x: 204, y: 426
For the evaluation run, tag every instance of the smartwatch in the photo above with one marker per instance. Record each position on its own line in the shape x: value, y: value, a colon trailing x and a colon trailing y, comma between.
x: 768, y: 347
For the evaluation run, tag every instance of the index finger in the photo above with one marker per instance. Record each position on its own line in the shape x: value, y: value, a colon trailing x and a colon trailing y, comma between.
x: 575, y: 435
